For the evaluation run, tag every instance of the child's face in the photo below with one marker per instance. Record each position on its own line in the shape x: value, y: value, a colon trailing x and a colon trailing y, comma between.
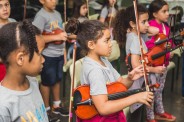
x: 35, y: 66
x: 49, y: 5
x: 112, y: 2
x: 83, y: 10
x: 163, y: 14
x: 103, y: 46
x: 143, y: 22
x: 4, y: 9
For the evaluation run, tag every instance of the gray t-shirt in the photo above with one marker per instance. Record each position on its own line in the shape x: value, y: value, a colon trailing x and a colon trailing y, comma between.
x: 105, y: 11
x: 22, y: 106
x: 98, y: 76
x: 132, y: 44
x: 82, y: 19
x: 10, y: 20
x: 49, y: 21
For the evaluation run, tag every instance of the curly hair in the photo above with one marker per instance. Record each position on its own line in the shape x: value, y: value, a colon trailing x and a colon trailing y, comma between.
x: 89, y: 30
x: 122, y: 20
x: 155, y: 6
x: 17, y: 34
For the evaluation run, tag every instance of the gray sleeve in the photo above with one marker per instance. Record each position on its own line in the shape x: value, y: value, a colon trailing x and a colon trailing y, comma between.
x: 97, y: 82
x: 104, y: 12
x: 4, y: 115
x: 115, y: 73
x: 134, y: 47
x: 39, y: 22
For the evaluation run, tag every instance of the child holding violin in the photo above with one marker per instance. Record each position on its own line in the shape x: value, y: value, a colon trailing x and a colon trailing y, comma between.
x: 97, y: 71
x: 159, y: 14
x: 49, y: 20
x: 125, y: 29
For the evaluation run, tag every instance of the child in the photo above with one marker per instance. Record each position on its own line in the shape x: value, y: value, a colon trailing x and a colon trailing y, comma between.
x: 94, y: 38
x: 20, y: 49
x: 80, y: 10
x: 4, y: 19
x: 159, y: 14
x: 109, y: 10
x: 125, y: 29
x: 48, y: 19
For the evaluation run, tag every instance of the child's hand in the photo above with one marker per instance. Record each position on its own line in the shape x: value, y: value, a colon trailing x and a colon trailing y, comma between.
x: 145, y: 98
x: 171, y: 55
x: 157, y: 69
x: 136, y: 73
x: 62, y: 36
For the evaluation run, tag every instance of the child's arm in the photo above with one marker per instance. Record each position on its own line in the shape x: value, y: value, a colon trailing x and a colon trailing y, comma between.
x: 59, y: 37
x: 106, y: 107
x: 152, y: 31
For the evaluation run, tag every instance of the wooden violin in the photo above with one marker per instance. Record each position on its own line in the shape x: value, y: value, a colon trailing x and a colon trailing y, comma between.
x: 83, y: 104
x: 156, y: 54
x: 71, y: 37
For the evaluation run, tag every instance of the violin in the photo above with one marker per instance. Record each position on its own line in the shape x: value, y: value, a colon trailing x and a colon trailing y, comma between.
x: 71, y: 37
x: 156, y: 54
x: 83, y: 104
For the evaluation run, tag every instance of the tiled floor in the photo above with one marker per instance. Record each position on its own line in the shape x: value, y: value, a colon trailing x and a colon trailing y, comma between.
x: 173, y: 102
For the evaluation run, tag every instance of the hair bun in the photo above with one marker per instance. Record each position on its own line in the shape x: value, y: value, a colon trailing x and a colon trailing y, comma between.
x: 72, y: 26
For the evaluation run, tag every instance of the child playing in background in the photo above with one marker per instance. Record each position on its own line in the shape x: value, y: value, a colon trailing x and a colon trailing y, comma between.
x: 20, y: 50
x: 4, y: 19
x: 109, y: 10
x: 159, y: 14
x: 125, y: 29
x: 48, y: 19
x: 94, y: 38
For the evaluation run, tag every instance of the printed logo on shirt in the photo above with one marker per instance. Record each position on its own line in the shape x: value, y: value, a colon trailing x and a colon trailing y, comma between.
x: 55, y: 24
x: 38, y: 116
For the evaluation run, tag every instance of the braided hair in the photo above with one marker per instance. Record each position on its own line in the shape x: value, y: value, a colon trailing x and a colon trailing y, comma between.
x: 89, y: 30
x: 17, y: 34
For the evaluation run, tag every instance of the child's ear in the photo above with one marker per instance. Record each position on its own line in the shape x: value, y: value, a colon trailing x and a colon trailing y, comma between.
x: 154, y: 14
x: 132, y: 24
x: 91, y: 45
x: 41, y: 1
x: 20, y: 58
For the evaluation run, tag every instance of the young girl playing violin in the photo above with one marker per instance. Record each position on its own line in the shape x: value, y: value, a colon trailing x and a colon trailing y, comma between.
x: 159, y: 13
x: 125, y: 29
x: 94, y: 38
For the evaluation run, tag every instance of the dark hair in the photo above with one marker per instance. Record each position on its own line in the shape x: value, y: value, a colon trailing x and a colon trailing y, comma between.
x: 86, y: 31
x: 122, y: 19
x: 16, y: 34
x: 77, y: 6
x: 155, y: 6
x: 106, y: 3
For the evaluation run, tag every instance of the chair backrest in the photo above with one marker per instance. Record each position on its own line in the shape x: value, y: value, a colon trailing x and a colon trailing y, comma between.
x: 115, y: 54
x: 78, y: 67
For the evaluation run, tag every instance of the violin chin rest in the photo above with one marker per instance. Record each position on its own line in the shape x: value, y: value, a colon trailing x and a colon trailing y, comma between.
x: 77, y: 98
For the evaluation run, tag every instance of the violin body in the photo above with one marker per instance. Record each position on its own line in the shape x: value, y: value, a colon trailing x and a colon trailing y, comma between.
x: 83, y: 104
x: 89, y: 111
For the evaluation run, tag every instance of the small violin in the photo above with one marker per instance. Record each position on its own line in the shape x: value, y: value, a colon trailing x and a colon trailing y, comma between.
x: 83, y: 104
x: 71, y: 37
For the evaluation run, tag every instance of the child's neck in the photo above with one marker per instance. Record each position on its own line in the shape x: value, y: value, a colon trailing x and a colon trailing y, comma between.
x: 15, y: 81
x: 3, y: 21
x: 48, y: 10
x: 96, y: 58
x: 158, y: 21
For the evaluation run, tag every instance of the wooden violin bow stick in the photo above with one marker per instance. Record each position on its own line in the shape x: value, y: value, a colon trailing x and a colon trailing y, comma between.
x: 25, y: 5
x: 72, y: 84
x: 143, y: 61
x: 87, y: 2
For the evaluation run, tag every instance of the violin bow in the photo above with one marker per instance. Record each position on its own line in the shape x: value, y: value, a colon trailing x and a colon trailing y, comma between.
x: 87, y: 2
x: 72, y: 83
x: 25, y: 5
x: 64, y: 11
x: 112, y: 14
x: 141, y: 46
